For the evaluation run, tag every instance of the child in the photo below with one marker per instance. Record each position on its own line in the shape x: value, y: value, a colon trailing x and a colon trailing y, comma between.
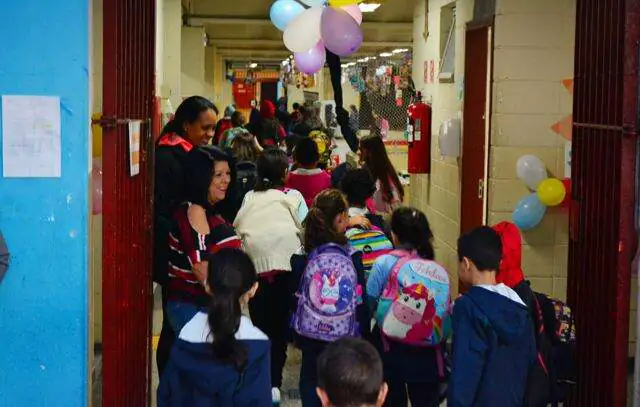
x: 493, y: 342
x: 359, y: 186
x: 269, y: 224
x: 307, y: 177
x: 350, y: 374
x: 329, y: 305
x: 220, y: 358
x: 413, y: 312
x: 389, y: 191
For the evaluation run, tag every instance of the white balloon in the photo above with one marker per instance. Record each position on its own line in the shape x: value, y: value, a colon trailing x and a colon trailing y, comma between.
x: 303, y: 33
x: 531, y: 170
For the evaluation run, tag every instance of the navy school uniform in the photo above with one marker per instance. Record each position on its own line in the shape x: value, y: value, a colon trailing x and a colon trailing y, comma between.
x: 195, y: 378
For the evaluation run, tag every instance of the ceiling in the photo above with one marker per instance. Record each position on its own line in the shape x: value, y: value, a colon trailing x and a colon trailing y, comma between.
x: 244, y: 32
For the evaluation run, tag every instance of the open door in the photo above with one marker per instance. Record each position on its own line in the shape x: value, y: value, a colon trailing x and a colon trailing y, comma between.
x: 129, y: 58
x: 477, y: 82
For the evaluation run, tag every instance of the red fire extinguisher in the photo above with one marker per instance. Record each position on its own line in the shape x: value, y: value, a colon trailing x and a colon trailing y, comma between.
x: 419, y: 136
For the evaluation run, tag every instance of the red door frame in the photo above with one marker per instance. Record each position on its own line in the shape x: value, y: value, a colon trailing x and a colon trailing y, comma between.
x: 602, y: 235
x: 128, y: 88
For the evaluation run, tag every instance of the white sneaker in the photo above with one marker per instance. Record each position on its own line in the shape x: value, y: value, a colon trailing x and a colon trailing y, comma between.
x: 275, y: 396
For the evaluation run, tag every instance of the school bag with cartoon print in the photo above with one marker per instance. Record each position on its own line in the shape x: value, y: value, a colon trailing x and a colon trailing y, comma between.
x: 372, y: 243
x: 415, y: 305
x: 328, y: 295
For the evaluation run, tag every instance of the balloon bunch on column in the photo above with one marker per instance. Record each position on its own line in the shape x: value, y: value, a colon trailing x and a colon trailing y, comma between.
x: 548, y: 192
x: 308, y: 31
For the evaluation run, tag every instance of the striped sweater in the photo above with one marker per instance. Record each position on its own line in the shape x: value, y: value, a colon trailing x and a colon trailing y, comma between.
x: 188, y: 247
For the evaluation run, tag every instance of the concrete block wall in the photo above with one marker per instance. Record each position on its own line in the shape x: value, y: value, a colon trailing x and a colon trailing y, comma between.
x: 533, y: 54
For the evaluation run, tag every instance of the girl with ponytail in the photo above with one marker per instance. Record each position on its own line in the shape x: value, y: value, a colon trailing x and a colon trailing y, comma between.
x: 220, y: 358
x: 269, y: 224
x: 411, y: 371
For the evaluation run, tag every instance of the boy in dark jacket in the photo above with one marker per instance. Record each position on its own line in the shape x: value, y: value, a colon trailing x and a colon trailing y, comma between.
x: 493, y: 342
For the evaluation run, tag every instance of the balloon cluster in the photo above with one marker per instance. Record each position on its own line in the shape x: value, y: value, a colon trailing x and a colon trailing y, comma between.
x: 308, y: 31
x: 548, y: 192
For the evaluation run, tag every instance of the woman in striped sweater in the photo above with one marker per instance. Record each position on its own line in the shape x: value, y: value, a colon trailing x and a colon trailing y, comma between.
x: 198, y: 231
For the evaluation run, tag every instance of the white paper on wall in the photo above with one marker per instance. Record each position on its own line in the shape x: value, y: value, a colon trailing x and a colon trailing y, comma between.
x: 31, y: 137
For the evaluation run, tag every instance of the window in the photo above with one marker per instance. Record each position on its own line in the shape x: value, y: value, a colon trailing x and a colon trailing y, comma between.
x: 447, y: 43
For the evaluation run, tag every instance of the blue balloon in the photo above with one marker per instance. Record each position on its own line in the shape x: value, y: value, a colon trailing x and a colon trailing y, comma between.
x: 283, y: 12
x: 529, y: 212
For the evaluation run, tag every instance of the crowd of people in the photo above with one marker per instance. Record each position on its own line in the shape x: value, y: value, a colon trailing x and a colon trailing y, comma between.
x: 249, y: 217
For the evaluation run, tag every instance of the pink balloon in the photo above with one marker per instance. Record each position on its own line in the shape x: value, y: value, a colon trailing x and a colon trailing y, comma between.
x: 96, y: 185
x: 354, y: 11
x: 340, y: 32
x: 311, y: 61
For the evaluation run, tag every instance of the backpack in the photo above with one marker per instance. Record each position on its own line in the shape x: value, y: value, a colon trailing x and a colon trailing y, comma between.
x: 372, y: 243
x: 415, y: 305
x: 328, y: 295
x: 324, y: 145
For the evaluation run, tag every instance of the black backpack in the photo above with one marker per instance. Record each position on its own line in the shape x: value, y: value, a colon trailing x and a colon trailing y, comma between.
x: 246, y: 176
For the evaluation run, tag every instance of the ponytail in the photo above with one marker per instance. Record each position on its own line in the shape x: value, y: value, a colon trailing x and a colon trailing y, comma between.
x: 231, y: 275
x: 411, y: 228
x: 318, y: 226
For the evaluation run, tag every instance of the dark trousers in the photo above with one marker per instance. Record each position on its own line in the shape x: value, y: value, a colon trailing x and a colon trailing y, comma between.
x: 167, y: 336
x: 420, y: 394
x: 270, y: 312
x: 311, y: 350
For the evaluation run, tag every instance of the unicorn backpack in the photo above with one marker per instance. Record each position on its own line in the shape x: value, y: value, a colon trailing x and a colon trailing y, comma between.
x: 328, y: 295
x: 415, y: 305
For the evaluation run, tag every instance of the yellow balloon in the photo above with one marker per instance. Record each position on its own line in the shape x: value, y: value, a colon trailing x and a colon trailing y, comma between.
x: 551, y: 192
x: 341, y: 3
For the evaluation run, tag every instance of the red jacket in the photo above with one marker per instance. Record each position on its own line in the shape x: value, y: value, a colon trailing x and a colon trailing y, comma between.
x: 510, y: 272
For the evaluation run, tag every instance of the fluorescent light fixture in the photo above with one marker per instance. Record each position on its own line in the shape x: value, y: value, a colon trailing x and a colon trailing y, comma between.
x: 368, y: 7
x: 361, y: 60
x: 386, y: 54
x: 285, y: 62
x: 399, y: 50
x: 253, y: 65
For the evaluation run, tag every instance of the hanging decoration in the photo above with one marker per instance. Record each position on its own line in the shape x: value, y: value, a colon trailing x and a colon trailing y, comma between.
x: 549, y: 192
x: 309, y: 32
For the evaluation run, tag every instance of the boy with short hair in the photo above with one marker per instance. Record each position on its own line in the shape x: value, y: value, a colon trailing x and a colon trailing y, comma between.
x: 359, y: 186
x: 493, y: 342
x: 350, y: 375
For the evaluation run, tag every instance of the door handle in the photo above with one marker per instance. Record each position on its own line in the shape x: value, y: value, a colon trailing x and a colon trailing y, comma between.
x: 481, y: 188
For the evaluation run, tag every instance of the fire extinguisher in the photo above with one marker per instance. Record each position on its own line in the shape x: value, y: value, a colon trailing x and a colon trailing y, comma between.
x: 419, y: 136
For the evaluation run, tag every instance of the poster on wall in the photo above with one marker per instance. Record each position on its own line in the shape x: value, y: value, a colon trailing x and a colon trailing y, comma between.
x: 134, y: 147
x: 31, y: 137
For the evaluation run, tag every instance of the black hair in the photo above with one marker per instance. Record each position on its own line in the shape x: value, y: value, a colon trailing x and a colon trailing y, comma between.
x: 296, y: 106
x: 350, y: 372
x: 200, y: 164
x: 318, y: 225
x: 358, y: 185
x: 237, y: 119
x: 290, y: 142
x: 338, y: 174
x: 272, y: 168
x: 231, y: 275
x: 376, y: 160
x: 188, y: 112
x: 412, y: 230
x: 483, y: 247
x: 306, y: 152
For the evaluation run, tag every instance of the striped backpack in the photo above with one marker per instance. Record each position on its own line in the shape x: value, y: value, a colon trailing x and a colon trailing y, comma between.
x: 372, y: 243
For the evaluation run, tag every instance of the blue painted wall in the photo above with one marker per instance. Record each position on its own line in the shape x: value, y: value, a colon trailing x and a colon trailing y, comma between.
x: 45, y: 295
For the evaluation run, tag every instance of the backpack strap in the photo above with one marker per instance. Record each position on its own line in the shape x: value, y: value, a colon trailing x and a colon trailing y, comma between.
x: 393, y: 286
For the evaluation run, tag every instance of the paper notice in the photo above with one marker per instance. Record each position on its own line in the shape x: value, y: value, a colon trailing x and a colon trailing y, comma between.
x: 134, y: 147
x: 31, y: 137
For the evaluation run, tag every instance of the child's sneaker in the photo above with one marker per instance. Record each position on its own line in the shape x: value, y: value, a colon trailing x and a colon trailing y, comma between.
x: 275, y: 396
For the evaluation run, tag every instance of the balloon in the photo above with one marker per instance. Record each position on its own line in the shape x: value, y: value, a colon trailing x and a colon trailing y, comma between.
x: 354, y: 11
x: 551, y: 192
x: 340, y: 32
x: 303, y: 33
x: 313, y: 3
x: 96, y: 185
x: 529, y: 212
x: 531, y: 170
x: 342, y: 3
x: 284, y: 11
x: 311, y: 61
